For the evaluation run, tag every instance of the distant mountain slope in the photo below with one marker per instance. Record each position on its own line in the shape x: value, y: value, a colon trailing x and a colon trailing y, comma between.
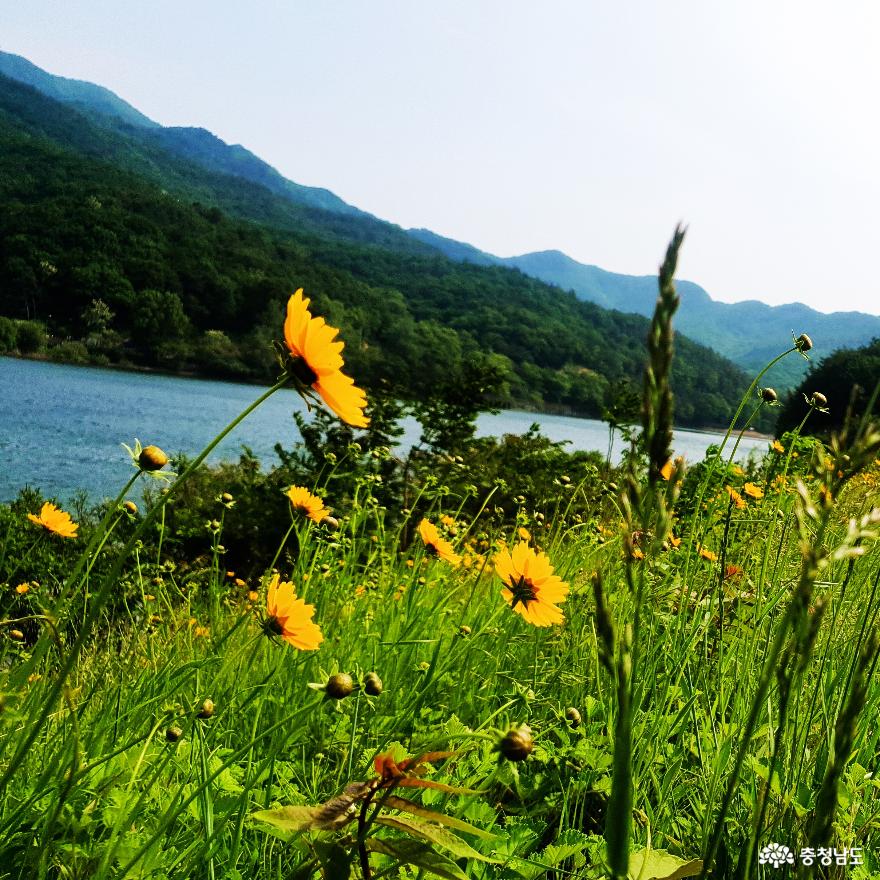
x: 142, y: 152
x: 83, y: 95
x: 195, y: 144
x: 750, y: 333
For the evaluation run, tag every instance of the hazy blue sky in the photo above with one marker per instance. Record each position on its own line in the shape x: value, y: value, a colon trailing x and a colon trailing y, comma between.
x: 584, y: 126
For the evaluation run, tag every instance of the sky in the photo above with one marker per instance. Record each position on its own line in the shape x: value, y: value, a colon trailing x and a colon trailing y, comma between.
x: 587, y: 127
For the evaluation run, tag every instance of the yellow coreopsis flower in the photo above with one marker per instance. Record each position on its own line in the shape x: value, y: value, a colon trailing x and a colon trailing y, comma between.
x: 530, y: 585
x: 291, y: 618
x: 54, y: 520
x: 309, y: 505
x: 316, y: 362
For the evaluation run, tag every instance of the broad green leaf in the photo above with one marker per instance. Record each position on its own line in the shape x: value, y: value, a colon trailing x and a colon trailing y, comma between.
x: 450, y: 821
x: 413, y: 852
x: 289, y: 819
x: 656, y: 864
x: 435, y: 834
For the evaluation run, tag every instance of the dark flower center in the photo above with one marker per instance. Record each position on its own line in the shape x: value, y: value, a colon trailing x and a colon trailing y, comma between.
x: 431, y: 550
x: 273, y: 626
x: 302, y: 371
x: 523, y: 591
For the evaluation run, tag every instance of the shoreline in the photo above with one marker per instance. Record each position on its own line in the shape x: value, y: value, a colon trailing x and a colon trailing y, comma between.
x: 514, y: 406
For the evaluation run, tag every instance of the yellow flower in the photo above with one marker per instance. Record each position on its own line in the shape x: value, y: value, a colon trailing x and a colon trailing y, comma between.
x: 447, y: 521
x: 316, y: 362
x: 777, y: 446
x: 55, y: 520
x: 708, y: 554
x: 291, y: 618
x: 667, y: 470
x: 530, y: 585
x: 435, y: 545
x: 21, y: 589
x: 737, y: 498
x: 675, y: 542
x: 524, y: 533
x: 753, y: 491
x: 307, y: 504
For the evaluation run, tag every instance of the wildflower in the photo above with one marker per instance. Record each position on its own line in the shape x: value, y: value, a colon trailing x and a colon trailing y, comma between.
x: 253, y: 595
x: 803, y: 343
x: 239, y: 582
x: 372, y: 684
x: 731, y: 572
x: 517, y: 743
x: 130, y: 507
x: 777, y: 447
x: 435, y: 545
x: 207, y: 709
x: 818, y: 401
x: 736, y: 497
x: 447, y: 521
x: 769, y: 395
x: 573, y: 716
x: 339, y: 686
x: 675, y: 542
x: 637, y: 554
x: 152, y: 458
x: 21, y: 589
x: 524, y: 533
x: 530, y: 585
x: 55, y: 520
x: 708, y: 554
x: 149, y: 460
x: 310, y: 505
x: 667, y: 470
x: 291, y: 618
x: 201, y: 632
x: 16, y: 634
x: 316, y: 362
x: 753, y: 491
x: 173, y: 734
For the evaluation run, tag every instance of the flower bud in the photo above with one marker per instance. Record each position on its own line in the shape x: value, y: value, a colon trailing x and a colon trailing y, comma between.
x: 372, y: 684
x: 517, y: 743
x: 16, y: 634
x: 131, y: 507
x: 803, y: 343
x: 331, y: 523
x: 573, y: 716
x: 226, y: 498
x: 207, y: 709
x: 818, y: 399
x: 152, y: 458
x: 769, y: 395
x: 464, y: 630
x: 173, y: 734
x: 339, y: 686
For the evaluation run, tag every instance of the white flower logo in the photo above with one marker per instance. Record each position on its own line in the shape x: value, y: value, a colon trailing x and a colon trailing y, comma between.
x: 776, y: 854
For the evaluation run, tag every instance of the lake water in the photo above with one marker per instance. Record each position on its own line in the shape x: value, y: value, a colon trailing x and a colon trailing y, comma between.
x: 61, y: 426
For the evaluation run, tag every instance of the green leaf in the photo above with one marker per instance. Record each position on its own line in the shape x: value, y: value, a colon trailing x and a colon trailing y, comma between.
x: 656, y: 864
x: 288, y: 819
x: 412, y: 852
x: 435, y: 834
x: 335, y: 860
x: 406, y: 806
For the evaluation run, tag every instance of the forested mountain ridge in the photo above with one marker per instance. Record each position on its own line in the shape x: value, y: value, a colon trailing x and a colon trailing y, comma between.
x: 750, y: 333
x: 122, y: 269
x: 198, y: 145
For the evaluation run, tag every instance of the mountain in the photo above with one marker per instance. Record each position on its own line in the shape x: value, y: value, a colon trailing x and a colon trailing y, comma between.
x: 750, y: 333
x: 197, y: 145
x: 130, y: 253
x: 82, y: 95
